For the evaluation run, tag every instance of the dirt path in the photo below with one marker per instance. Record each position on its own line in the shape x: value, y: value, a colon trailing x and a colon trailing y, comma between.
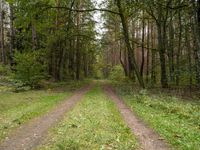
x: 148, y: 139
x: 31, y: 134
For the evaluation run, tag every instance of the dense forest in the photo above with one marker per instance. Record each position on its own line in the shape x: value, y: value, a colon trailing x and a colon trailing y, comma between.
x: 99, y: 74
x: 155, y: 42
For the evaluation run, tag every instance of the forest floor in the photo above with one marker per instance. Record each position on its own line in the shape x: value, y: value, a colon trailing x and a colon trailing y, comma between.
x: 101, y: 118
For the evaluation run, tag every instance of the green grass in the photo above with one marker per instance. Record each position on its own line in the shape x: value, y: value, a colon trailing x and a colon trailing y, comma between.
x: 94, y: 124
x: 18, y: 108
x: 175, y: 120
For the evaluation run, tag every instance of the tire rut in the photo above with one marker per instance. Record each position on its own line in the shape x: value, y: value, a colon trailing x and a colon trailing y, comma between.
x: 148, y: 139
x: 30, y: 135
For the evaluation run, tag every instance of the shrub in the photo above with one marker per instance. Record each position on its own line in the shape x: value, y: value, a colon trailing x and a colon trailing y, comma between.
x: 30, y: 68
x: 117, y: 73
x: 4, y: 70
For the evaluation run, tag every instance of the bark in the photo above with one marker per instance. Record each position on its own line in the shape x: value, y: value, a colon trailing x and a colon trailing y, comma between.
x: 161, y: 47
x: 64, y: 50
x: 196, y: 31
x: 132, y: 74
x: 3, y: 52
x: 128, y: 45
x: 78, y: 56
x: 179, y: 48
x: 161, y: 29
x: 171, y: 48
x: 187, y: 41
x: 198, y: 41
x: 143, y: 34
x: 148, y: 51
x: 11, y: 36
x: 122, y: 63
x: 153, y: 55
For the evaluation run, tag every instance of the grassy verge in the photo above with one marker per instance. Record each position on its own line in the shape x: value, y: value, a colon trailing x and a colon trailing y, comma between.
x: 95, y: 123
x: 175, y: 120
x: 18, y: 108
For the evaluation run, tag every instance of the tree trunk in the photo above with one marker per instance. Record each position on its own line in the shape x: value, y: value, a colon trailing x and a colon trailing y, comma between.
x: 128, y: 45
x: 153, y: 55
x: 3, y: 53
x: 148, y: 51
x: 132, y: 74
x: 143, y: 34
x: 161, y: 48
x: 179, y: 48
x: 78, y: 57
x: 198, y: 41
x: 187, y: 41
x: 171, y: 48
x: 121, y: 61
x: 11, y: 36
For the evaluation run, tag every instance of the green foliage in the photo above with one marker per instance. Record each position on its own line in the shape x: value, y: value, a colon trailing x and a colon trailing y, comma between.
x: 175, y: 120
x: 4, y: 70
x: 117, y: 73
x: 30, y: 68
x: 94, y: 124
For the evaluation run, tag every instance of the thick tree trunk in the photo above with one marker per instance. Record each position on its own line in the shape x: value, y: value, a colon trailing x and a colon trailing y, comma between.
x: 161, y: 48
x: 198, y: 41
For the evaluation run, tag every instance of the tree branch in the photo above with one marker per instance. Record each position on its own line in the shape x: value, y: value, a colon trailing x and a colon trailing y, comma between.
x: 83, y: 10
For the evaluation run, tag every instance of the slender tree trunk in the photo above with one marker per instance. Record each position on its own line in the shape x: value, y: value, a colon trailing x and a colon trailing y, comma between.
x: 179, y: 49
x: 171, y: 48
x: 148, y: 51
x: 127, y: 41
x: 11, y: 36
x: 143, y: 34
x: 3, y: 53
x: 121, y: 60
x: 133, y: 46
x: 71, y: 58
x: 187, y: 41
x: 78, y: 57
x: 153, y: 55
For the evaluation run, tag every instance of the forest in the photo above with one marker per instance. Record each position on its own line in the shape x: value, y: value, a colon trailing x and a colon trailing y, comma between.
x: 100, y: 74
